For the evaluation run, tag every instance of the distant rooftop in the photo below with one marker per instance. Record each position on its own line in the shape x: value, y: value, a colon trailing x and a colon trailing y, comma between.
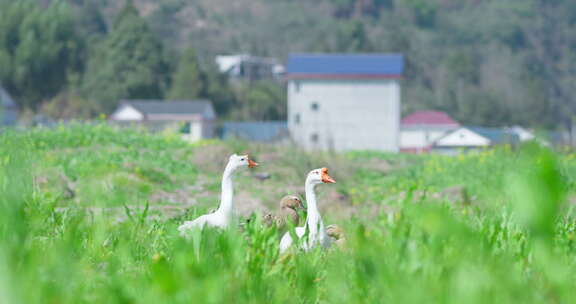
x: 429, y: 118
x: 169, y: 107
x: 495, y: 135
x: 163, y: 110
x: 375, y: 66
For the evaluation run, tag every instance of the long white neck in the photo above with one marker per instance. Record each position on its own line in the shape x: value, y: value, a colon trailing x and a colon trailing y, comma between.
x: 226, y: 201
x: 313, y: 219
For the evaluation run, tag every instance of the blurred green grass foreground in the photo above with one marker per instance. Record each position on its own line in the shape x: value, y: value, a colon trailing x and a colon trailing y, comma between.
x: 88, y: 214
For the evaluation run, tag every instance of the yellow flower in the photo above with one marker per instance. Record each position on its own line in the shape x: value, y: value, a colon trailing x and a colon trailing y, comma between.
x: 157, y: 257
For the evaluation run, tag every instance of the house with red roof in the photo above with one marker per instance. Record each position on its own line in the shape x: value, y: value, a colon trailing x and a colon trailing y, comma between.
x: 419, y: 130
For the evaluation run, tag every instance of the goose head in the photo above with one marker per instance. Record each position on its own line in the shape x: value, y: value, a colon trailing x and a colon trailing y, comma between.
x: 335, y: 232
x: 289, y: 206
x: 337, y: 235
x: 319, y: 176
x: 291, y: 202
x: 236, y: 161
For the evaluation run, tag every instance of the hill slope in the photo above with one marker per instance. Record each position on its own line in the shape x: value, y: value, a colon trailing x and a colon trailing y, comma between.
x: 485, y: 62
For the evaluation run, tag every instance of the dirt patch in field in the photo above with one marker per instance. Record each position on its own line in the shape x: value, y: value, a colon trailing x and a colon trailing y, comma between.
x: 211, y: 158
x: 336, y: 204
x: 184, y: 196
x: 378, y: 165
x: 247, y: 204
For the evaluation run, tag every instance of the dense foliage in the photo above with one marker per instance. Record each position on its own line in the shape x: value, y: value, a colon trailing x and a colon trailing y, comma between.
x: 485, y: 62
x: 129, y: 64
x: 512, y: 240
x: 39, y: 48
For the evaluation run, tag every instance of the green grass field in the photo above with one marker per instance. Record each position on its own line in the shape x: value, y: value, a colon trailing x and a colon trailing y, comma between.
x: 88, y: 214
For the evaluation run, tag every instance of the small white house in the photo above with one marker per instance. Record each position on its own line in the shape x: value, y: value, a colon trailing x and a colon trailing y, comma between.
x: 523, y: 133
x: 344, y: 102
x: 471, y: 138
x: 419, y: 130
x: 195, y: 119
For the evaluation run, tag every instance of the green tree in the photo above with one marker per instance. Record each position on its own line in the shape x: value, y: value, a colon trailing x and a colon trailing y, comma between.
x: 39, y: 47
x: 263, y: 100
x: 129, y: 64
x: 69, y: 105
x: 89, y: 18
x: 217, y: 89
x: 353, y: 38
x: 187, y: 81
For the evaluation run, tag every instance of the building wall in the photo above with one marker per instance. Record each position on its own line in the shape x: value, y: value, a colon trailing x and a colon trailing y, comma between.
x: 419, y: 138
x: 194, y: 132
x: 462, y: 138
x: 344, y: 114
x: 208, y: 128
x: 199, y: 127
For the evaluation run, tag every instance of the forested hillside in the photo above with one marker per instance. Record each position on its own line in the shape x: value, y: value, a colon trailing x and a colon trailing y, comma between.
x: 486, y: 62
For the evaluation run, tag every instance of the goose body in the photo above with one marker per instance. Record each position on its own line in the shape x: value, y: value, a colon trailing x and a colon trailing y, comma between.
x: 222, y: 217
x: 314, y: 226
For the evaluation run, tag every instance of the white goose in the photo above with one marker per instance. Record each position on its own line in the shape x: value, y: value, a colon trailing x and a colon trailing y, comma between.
x: 316, y: 231
x: 222, y: 217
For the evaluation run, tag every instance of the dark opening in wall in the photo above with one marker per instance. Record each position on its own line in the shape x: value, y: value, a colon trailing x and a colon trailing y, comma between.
x: 315, y: 106
x: 314, y: 137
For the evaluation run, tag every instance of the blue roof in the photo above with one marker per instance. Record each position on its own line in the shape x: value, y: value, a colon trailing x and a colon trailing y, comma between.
x: 261, y: 131
x: 495, y: 135
x: 346, y: 64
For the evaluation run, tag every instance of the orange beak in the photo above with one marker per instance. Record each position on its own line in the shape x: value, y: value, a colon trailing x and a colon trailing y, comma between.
x: 252, y: 164
x: 326, y: 178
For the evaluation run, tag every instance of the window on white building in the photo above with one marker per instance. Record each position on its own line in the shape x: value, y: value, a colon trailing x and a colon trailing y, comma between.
x: 314, y: 137
x: 314, y: 106
x: 185, y: 128
x: 297, y: 86
x: 297, y: 118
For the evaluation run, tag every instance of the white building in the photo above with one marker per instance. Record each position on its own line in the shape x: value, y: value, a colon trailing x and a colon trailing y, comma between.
x: 419, y: 130
x: 345, y: 102
x: 472, y: 138
x: 249, y: 67
x: 523, y: 133
x: 193, y: 118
